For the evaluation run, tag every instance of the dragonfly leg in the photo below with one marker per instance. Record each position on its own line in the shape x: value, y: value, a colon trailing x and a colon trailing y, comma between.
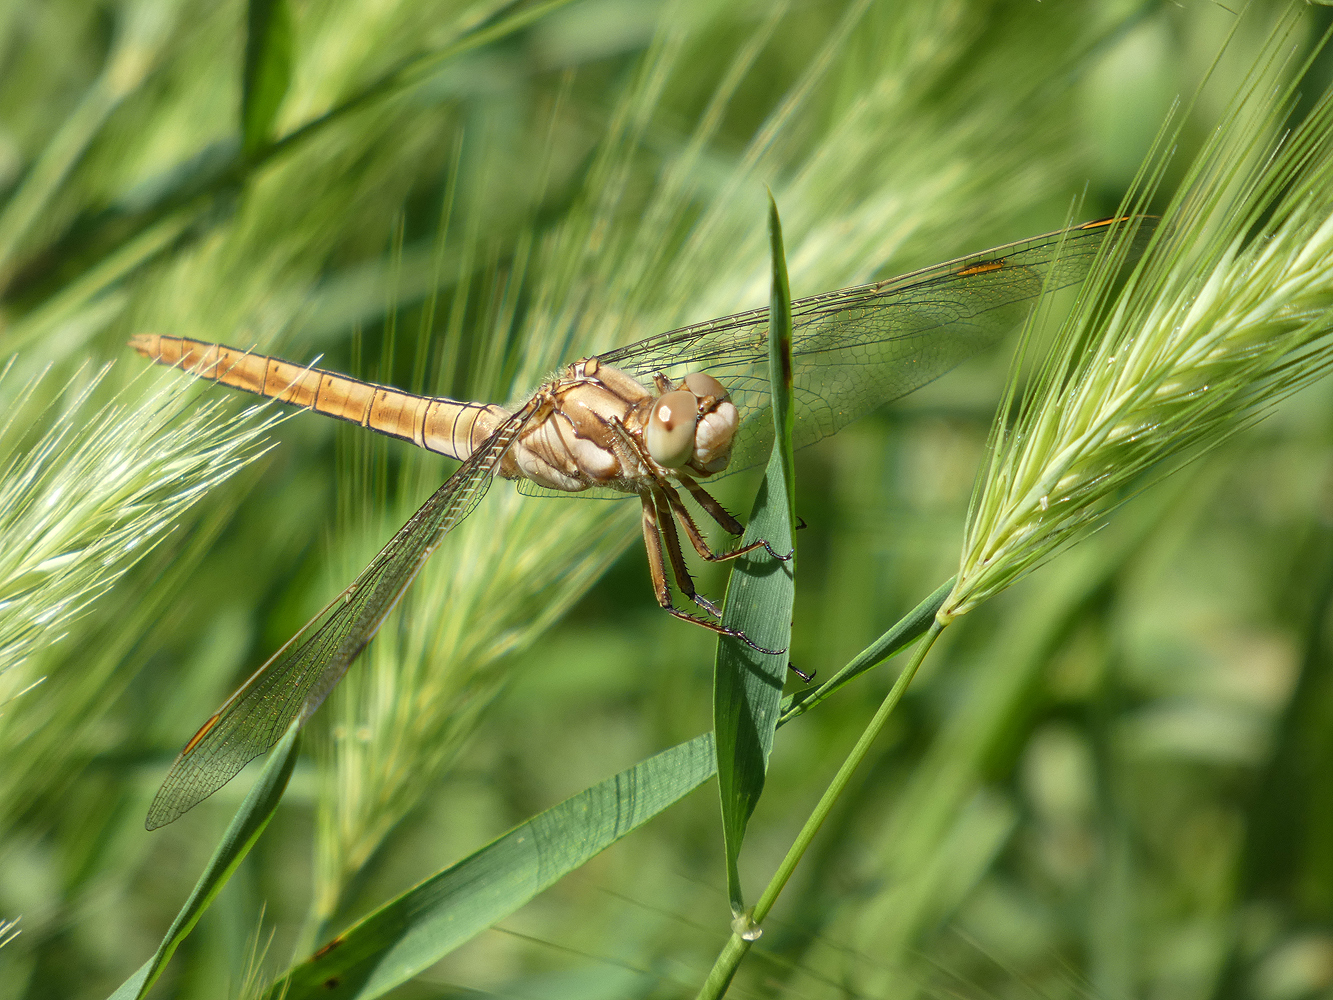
x: 800, y: 673
x: 652, y: 539
x: 659, y: 533
x: 712, y: 508
x: 666, y: 528
x: 652, y: 542
x: 723, y: 517
x: 692, y: 532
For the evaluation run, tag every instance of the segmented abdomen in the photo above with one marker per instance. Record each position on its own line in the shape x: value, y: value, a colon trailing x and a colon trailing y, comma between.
x: 436, y: 423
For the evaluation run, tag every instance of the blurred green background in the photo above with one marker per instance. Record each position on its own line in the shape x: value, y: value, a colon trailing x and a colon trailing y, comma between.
x: 1111, y: 782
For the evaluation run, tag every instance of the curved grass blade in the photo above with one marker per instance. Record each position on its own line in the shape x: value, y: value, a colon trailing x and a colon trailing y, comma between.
x: 747, y: 684
x: 780, y: 370
x: 420, y: 927
x: 426, y: 923
x: 268, y: 70
x: 909, y: 628
x: 241, y: 835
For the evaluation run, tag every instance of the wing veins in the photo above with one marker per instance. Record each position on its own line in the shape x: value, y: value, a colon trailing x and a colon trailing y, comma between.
x: 1070, y: 250
x: 295, y: 680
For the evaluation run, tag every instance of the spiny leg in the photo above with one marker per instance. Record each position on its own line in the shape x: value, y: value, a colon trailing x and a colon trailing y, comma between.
x: 712, y: 508
x: 664, y: 491
x: 667, y: 529
x: 652, y: 540
x: 692, y: 532
x: 719, y: 514
x: 678, y: 507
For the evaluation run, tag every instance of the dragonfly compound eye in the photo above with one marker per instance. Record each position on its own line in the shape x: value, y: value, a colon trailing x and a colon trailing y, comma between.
x: 713, y: 439
x: 704, y: 385
x: 670, y: 435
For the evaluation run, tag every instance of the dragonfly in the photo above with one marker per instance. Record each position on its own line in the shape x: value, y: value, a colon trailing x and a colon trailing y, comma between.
x: 652, y: 419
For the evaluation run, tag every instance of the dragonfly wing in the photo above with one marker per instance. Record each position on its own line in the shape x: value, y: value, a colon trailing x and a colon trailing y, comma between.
x: 530, y: 489
x: 856, y: 349
x: 299, y: 676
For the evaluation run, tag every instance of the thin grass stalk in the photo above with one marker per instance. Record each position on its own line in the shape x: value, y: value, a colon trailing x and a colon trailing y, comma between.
x: 747, y: 927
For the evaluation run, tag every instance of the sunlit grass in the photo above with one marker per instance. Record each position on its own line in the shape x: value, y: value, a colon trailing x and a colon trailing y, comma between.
x: 595, y: 178
x: 95, y: 493
x: 1229, y: 314
x: 83, y: 501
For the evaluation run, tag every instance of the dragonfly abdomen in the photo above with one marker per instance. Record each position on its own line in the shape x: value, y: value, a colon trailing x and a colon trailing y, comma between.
x: 435, y: 423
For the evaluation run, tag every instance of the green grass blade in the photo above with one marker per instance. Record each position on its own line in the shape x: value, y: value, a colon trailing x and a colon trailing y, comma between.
x: 747, y: 683
x: 268, y: 70
x: 136, y: 47
x: 779, y: 361
x: 429, y: 921
x: 420, y: 927
x: 221, y: 167
x: 241, y: 835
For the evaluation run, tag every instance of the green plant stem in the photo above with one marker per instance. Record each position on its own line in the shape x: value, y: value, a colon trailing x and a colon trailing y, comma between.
x: 724, y: 968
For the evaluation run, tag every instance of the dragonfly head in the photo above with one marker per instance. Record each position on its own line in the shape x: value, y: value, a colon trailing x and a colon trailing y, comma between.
x: 692, y: 426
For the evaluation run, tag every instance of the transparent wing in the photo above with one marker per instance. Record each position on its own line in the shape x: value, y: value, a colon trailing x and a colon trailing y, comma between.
x: 301, y: 674
x: 858, y: 348
x: 530, y: 489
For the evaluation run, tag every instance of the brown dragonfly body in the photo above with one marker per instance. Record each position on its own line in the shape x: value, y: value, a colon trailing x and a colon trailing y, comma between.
x: 590, y: 426
x: 648, y: 419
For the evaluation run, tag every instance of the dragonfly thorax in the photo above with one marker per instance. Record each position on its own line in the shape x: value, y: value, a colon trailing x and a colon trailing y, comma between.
x: 604, y: 428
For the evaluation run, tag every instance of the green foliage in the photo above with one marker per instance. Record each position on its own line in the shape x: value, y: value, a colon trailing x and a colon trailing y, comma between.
x: 417, y: 929
x: 1228, y: 312
x: 748, y: 683
x: 1107, y: 780
x: 268, y: 69
x: 241, y: 835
